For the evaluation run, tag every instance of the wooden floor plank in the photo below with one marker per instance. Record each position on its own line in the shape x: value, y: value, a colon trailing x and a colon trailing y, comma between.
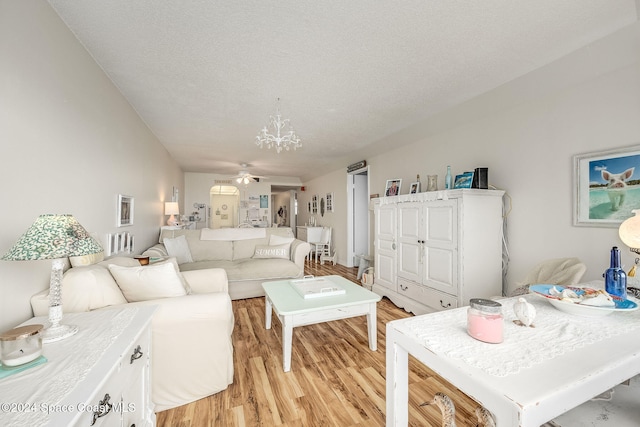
x: 335, y: 379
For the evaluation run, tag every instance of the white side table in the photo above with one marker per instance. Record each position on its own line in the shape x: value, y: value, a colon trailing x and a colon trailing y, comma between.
x: 101, y: 375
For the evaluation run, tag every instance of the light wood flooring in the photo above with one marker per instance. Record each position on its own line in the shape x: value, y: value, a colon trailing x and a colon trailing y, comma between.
x: 335, y: 379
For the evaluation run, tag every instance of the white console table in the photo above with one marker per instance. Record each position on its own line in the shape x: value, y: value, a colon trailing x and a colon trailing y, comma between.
x: 99, y: 376
x: 535, y: 375
x: 309, y: 234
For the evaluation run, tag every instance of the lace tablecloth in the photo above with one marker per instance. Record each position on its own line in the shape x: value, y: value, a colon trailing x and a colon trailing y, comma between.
x: 555, y: 333
x: 26, y: 397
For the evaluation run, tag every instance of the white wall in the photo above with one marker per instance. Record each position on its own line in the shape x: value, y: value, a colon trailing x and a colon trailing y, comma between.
x: 335, y: 182
x: 71, y: 144
x: 526, y: 132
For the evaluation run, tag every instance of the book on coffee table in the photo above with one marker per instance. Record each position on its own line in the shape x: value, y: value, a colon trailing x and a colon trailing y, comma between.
x: 316, y: 287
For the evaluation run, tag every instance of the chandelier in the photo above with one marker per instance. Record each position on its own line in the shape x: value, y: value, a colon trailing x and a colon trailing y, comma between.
x: 278, y: 134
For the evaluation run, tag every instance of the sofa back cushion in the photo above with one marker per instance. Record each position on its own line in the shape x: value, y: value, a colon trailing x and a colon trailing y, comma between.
x: 89, y: 288
x: 210, y: 250
x: 143, y: 283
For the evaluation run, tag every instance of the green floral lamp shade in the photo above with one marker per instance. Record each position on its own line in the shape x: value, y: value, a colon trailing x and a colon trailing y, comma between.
x: 52, y: 237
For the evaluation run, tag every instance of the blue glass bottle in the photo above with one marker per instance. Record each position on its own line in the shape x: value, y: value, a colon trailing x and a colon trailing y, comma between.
x: 615, y: 279
x: 447, y: 179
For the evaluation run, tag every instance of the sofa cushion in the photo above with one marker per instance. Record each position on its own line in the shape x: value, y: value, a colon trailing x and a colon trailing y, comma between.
x: 88, y: 288
x: 243, y: 249
x: 251, y: 268
x: 202, y: 250
x: 272, y: 251
x: 178, y: 248
x: 280, y: 240
x: 143, y: 283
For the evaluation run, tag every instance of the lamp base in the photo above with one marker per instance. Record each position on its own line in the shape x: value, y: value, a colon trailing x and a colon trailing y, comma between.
x: 172, y: 221
x: 57, y: 333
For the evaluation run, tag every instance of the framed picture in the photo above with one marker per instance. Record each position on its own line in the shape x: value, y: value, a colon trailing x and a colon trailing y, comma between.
x: 606, y: 185
x: 314, y: 204
x: 329, y: 202
x: 393, y: 187
x: 464, y: 180
x: 415, y: 187
x: 125, y: 210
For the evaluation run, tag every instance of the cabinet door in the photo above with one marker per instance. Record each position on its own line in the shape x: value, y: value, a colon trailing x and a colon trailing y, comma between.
x: 441, y: 246
x: 385, y: 242
x: 410, y: 240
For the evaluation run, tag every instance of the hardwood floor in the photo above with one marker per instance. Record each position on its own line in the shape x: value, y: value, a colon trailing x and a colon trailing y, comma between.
x: 335, y: 379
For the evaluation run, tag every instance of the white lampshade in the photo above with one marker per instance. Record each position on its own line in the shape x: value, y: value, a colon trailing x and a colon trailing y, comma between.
x: 629, y: 231
x: 171, y: 208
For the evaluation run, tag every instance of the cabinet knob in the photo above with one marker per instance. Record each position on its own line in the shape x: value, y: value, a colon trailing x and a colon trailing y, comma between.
x: 404, y: 288
x: 137, y: 354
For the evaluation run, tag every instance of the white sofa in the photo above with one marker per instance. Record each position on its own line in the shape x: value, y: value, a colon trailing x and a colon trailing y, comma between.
x: 250, y: 256
x: 192, y: 352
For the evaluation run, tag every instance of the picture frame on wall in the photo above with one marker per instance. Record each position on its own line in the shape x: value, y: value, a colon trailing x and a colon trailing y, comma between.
x: 414, y: 188
x: 606, y: 186
x: 125, y: 210
x: 393, y: 187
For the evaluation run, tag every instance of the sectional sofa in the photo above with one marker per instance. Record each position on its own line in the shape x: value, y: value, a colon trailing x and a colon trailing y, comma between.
x: 249, y: 256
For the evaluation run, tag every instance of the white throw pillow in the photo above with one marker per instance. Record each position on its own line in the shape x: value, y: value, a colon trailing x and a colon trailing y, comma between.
x: 279, y: 240
x: 148, y: 282
x: 179, y: 248
x: 268, y: 251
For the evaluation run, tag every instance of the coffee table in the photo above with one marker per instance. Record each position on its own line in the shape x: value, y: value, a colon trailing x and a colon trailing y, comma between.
x: 293, y: 310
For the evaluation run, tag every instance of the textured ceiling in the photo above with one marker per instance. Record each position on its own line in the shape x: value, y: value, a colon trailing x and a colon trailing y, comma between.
x: 205, y: 75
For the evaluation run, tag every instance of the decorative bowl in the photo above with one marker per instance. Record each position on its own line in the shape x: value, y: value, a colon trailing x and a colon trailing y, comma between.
x: 621, y: 304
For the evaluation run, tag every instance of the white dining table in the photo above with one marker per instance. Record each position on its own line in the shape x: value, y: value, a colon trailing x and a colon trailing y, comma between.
x: 534, y: 375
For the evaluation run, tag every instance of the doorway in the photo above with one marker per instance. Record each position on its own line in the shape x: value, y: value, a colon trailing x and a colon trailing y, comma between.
x: 357, y: 215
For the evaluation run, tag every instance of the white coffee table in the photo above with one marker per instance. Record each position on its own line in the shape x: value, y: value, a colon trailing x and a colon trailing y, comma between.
x: 293, y: 310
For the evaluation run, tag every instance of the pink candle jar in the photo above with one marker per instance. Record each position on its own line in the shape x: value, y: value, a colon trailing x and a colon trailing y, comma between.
x: 484, y: 320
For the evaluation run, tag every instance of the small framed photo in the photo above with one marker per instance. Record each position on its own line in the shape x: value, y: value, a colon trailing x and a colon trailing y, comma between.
x: 415, y: 187
x: 606, y: 186
x: 393, y: 187
x: 463, y: 180
x: 125, y: 210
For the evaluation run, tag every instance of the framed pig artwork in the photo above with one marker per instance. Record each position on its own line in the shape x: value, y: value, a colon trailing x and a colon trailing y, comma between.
x: 607, y: 186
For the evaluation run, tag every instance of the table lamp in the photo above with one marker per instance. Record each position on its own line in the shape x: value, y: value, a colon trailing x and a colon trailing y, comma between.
x: 54, y: 237
x: 171, y: 208
x: 629, y: 232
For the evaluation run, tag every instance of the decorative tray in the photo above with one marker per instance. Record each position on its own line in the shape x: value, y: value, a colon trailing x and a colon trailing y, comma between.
x: 550, y: 293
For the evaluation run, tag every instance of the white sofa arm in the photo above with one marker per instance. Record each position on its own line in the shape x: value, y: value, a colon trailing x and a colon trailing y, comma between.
x: 192, y: 351
x: 299, y: 251
x: 207, y: 280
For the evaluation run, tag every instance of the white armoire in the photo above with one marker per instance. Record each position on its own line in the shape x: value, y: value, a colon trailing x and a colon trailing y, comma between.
x: 437, y: 250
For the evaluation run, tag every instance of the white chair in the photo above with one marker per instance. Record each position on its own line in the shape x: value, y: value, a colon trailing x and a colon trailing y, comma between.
x: 558, y: 271
x: 322, y: 247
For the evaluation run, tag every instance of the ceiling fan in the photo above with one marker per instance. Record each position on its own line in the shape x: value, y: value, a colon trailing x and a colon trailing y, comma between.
x: 244, y: 177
